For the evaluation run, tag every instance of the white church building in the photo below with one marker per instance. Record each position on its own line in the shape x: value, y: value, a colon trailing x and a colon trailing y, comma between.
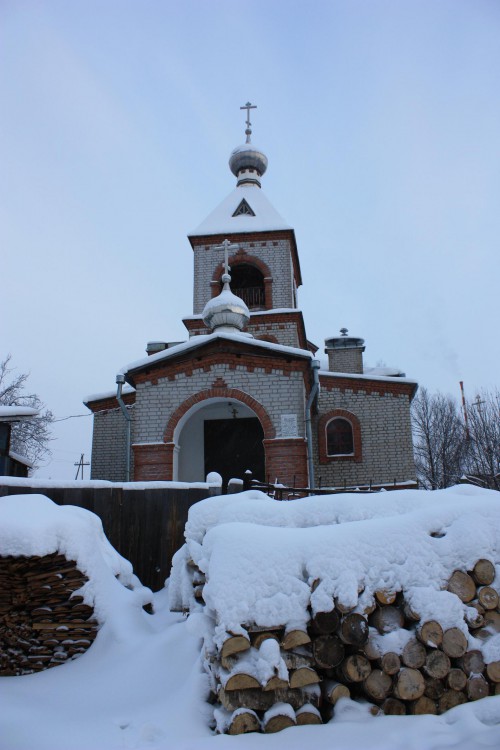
x: 245, y: 391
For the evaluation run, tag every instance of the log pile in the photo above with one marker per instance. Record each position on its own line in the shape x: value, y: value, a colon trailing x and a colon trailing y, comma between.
x: 42, y: 622
x: 339, y: 655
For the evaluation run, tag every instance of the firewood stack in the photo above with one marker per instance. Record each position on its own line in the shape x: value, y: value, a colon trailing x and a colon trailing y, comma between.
x: 42, y: 622
x: 267, y: 678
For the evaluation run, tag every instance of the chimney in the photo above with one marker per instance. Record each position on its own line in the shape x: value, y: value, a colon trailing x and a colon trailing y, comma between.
x: 345, y: 353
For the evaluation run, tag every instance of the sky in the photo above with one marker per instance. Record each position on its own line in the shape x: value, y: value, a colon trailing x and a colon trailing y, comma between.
x: 380, y: 120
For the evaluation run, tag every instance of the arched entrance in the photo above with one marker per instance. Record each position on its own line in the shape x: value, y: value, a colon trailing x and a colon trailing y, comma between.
x: 218, y: 434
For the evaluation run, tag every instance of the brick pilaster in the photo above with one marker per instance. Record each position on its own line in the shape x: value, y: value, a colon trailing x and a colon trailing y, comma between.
x: 286, y: 458
x: 153, y: 462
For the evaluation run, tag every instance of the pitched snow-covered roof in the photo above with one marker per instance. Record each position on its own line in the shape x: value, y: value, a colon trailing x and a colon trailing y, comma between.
x: 126, y: 390
x: 368, y: 376
x: 21, y: 459
x: 14, y: 413
x: 222, y: 221
x: 198, y: 341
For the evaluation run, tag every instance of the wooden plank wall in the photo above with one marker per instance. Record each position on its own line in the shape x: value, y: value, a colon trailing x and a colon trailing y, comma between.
x: 145, y: 526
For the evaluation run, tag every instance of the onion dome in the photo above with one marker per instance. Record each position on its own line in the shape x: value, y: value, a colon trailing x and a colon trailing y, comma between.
x: 227, y: 312
x: 248, y: 164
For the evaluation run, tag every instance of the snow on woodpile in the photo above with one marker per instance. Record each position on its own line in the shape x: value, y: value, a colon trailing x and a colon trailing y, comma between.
x: 60, y: 579
x: 388, y: 597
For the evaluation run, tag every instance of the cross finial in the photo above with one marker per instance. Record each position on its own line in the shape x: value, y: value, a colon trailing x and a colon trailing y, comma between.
x: 248, y: 132
x: 227, y: 245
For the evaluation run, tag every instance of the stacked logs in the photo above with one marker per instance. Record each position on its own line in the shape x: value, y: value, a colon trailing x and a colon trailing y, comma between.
x: 338, y: 656
x: 42, y: 622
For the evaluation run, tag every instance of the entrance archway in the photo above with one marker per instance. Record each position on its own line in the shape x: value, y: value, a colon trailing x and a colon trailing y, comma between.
x: 218, y: 434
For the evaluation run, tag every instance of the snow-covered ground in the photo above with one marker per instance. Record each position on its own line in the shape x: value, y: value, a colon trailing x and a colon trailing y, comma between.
x: 141, y: 684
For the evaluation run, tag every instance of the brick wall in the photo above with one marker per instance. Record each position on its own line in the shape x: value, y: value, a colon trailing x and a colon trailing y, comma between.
x: 346, y: 360
x: 108, y: 445
x: 383, y: 411
x: 275, y: 253
x: 277, y: 388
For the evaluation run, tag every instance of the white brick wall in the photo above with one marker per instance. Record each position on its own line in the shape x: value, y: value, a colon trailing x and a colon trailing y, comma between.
x: 276, y: 254
x: 387, y: 447
x: 108, y: 445
x: 277, y: 393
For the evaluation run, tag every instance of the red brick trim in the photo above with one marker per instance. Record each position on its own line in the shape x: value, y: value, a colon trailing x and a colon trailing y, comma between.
x: 247, y: 260
x: 258, y: 321
x: 214, y: 353
x: 153, y: 463
x: 230, y: 393
x: 240, y: 259
x: 364, y: 385
x: 263, y: 237
x: 110, y: 403
x: 323, y: 422
x: 219, y: 382
x: 286, y: 461
x: 267, y: 337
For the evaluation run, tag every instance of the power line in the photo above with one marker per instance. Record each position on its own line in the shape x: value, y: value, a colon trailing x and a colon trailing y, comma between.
x: 73, y: 416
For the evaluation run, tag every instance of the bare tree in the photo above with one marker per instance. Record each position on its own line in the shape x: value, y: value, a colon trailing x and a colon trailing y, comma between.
x: 440, y: 443
x: 483, y: 456
x: 29, y: 438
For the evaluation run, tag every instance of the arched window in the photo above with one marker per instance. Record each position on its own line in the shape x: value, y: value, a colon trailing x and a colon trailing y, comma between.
x: 339, y: 438
x: 247, y: 282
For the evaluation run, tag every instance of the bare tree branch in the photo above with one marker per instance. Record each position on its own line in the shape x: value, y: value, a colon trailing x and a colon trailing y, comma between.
x: 29, y: 438
x: 440, y: 442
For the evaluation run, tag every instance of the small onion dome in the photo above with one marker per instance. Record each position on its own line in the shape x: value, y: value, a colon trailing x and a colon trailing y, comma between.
x: 248, y: 164
x: 227, y: 312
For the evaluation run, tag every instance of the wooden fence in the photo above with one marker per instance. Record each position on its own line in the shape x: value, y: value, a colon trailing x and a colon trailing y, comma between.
x: 146, y: 526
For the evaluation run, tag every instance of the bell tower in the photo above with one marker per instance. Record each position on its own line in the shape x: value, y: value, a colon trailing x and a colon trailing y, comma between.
x: 263, y: 260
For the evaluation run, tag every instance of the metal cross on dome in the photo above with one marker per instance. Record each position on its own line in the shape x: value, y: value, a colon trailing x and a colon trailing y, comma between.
x: 227, y: 245
x: 248, y: 132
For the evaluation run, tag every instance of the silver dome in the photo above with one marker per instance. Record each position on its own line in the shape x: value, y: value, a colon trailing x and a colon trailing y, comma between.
x: 247, y: 156
x: 226, y: 312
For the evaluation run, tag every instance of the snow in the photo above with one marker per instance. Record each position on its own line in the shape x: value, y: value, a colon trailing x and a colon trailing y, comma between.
x: 222, y: 221
x: 368, y: 376
x: 103, y: 483
x: 34, y: 525
x: 343, y: 543
x: 126, y: 389
x: 10, y: 413
x: 141, y: 684
x: 21, y: 459
x: 274, y: 311
x: 198, y: 341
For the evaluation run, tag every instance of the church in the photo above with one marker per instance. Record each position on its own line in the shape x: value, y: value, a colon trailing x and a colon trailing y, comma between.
x: 245, y: 391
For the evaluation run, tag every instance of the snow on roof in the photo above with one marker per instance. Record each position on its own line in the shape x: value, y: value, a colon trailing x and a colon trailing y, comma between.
x: 347, y: 542
x: 126, y: 389
x: 273, y: 311
x: 21, y: 459
x: 102, y: 483
x: 222, y: 221
x: 34, y: 525
x: 197, y: 341
x: 393, y: 372
x: 368, y: 376
x: 11, y: 413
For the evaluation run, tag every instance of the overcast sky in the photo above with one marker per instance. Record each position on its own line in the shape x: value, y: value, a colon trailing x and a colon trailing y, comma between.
x: 381, y: 123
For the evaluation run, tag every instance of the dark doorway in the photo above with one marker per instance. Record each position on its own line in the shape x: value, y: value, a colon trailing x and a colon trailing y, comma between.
x: 234, y: 445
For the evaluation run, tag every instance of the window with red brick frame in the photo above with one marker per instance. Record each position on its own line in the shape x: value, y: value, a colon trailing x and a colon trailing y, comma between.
x: 339, y: 437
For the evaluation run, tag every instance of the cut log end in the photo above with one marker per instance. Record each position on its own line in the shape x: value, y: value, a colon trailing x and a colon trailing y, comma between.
x: 243, y: 722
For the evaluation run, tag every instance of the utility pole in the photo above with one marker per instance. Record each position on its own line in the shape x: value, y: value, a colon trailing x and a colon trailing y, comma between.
x: 464, y: 408
x: 81, y: 463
